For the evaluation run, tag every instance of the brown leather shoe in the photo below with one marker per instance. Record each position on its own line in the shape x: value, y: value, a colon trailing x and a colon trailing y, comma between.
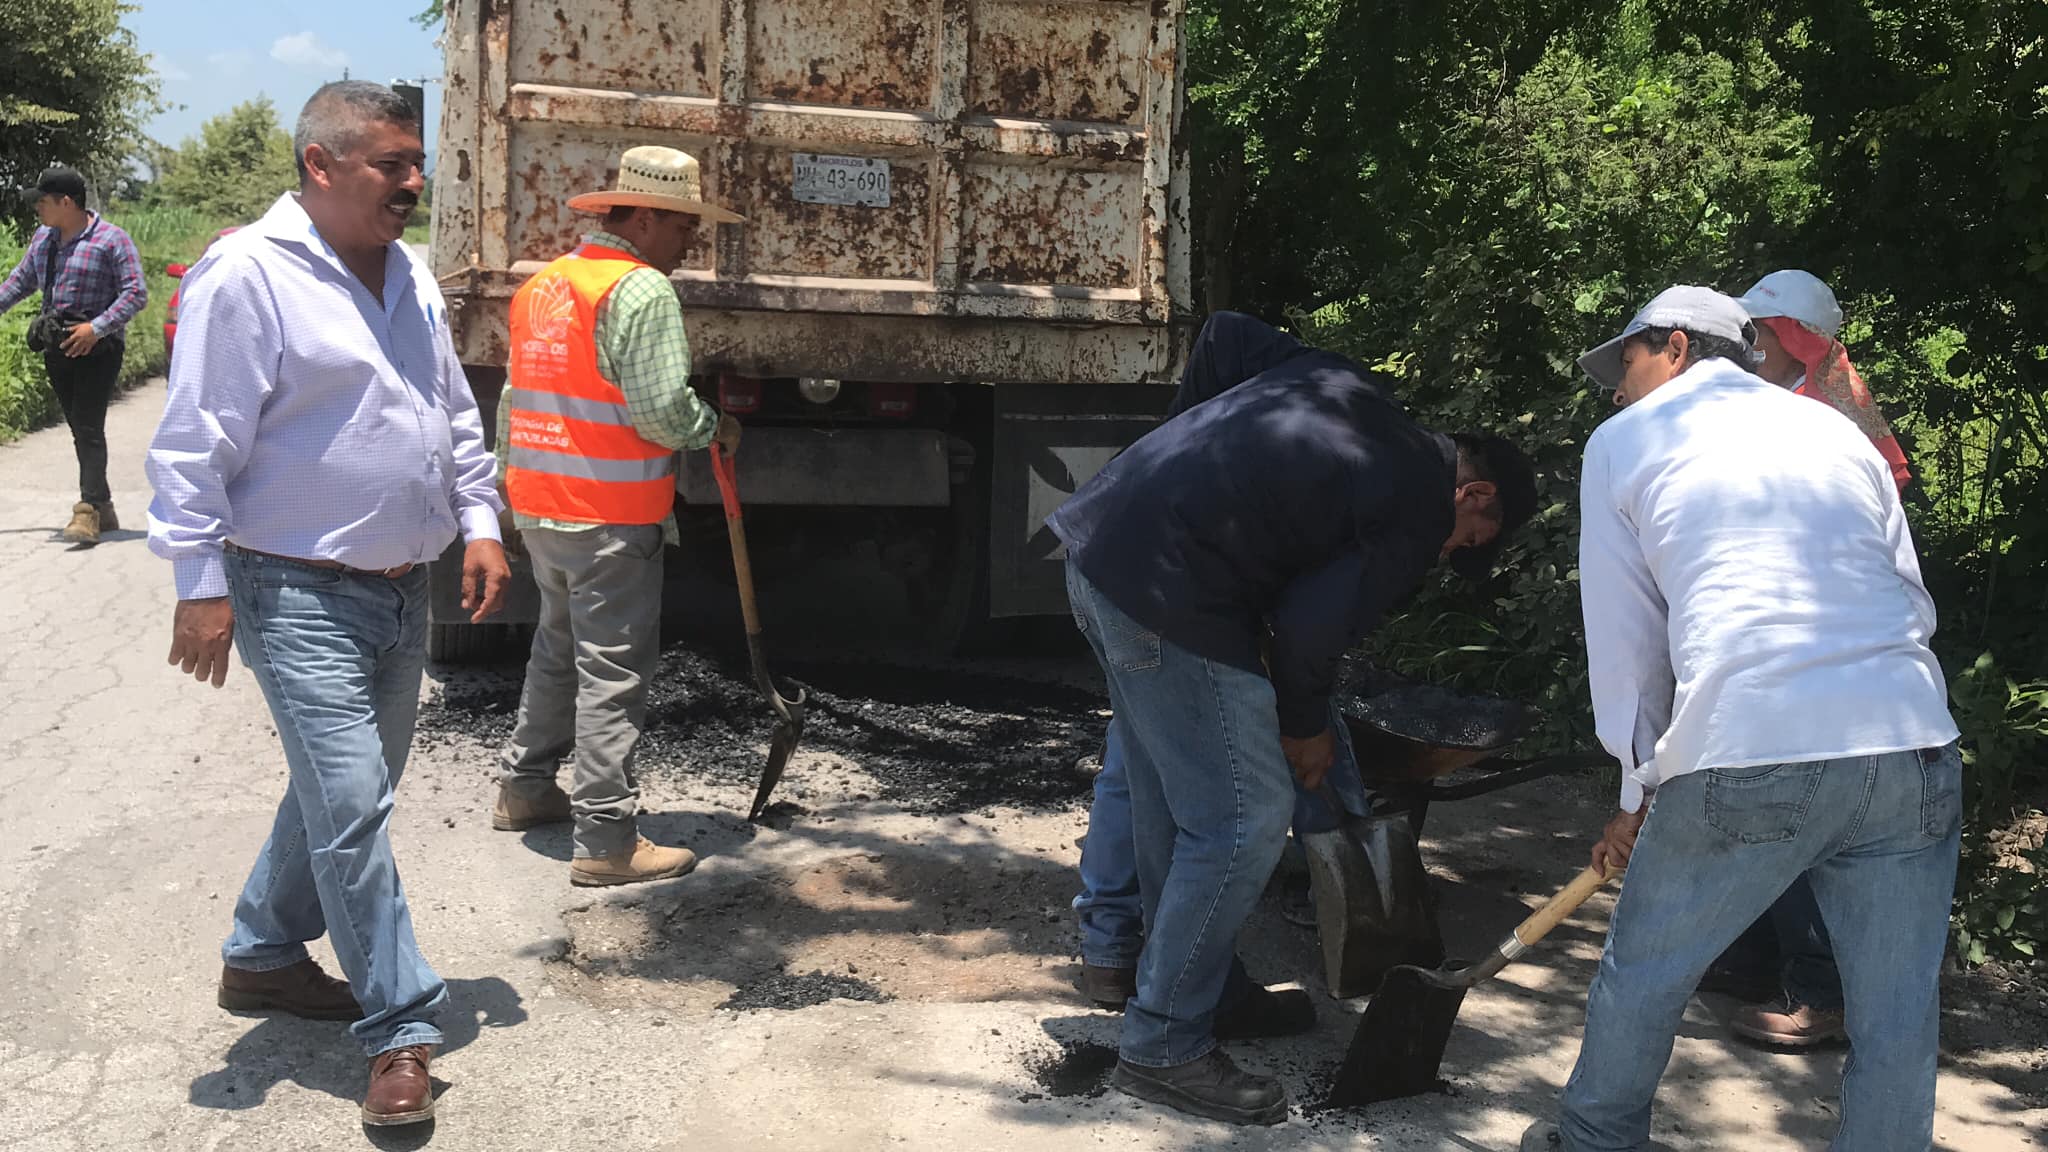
x: 1786, y: 1023
x: 647, y: 861
x: 401, y: 1091
x: 108, y: 521
x: 515, y: 813
x: 85, y: 524
x: 301, y: 990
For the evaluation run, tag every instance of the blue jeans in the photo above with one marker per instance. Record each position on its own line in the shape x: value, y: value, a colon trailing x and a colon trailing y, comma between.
x: 1111, y: 915
x: 339, y: 659
x: 1211, y: 796
x: 1877, y: 836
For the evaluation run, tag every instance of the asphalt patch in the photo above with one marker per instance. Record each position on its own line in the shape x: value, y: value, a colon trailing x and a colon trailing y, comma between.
x: 787, y: 992
x: 936, y: 740
x: 1080, y: 1068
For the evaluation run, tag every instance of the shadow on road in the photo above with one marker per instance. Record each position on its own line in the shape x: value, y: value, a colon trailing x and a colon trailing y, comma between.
x: 324, y: 1058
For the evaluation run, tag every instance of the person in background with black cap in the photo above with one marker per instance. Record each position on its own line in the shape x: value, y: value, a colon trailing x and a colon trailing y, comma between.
x: 1757, y: 641
x: 1220, y: 567
x: 91, y: 279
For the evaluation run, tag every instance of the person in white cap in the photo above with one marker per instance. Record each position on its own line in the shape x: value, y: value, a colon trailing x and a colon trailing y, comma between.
x: 1756, y: 631
x: 1798, y: 1003
x: 1798, y: 325
x: 596, y: 405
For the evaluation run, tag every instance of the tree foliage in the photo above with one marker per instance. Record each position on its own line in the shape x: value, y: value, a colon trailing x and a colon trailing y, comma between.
x: 237, y: 166
x: 1468, y: 195
x: 74, y: 89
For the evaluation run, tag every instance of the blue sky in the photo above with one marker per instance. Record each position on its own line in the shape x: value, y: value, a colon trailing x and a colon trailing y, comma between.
x: 213, y: 54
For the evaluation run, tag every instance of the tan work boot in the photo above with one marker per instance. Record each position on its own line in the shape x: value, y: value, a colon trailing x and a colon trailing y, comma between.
x: 1786, y: 1023
x: 108, y: 521
x: 647, y: 861
x: 85, y: 524
x: 515, y: 813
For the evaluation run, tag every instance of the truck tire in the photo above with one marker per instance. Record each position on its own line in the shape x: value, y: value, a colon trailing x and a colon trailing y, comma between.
x: 461, y: 642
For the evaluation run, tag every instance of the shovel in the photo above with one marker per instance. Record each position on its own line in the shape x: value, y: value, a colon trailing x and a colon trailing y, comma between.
x: 1400, y: 1043
x: 1372, y: 900
x: 790, y: 723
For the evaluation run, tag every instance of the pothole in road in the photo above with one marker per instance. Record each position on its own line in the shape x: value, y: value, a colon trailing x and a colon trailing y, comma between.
x: 936, y: 923
x: 933, y: 740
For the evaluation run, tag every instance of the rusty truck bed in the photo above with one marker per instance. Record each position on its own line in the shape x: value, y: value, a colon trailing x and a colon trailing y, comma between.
x: 985, y: 190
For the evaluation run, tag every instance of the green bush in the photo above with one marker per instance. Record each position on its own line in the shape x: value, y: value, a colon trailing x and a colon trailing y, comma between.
x: 25, y: 399
x: 2001, y: 912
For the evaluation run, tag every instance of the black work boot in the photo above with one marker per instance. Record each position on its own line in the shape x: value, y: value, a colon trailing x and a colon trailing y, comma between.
x: 1211, y: 1086
x: 1264, y: 1013
x: 1108, y: 987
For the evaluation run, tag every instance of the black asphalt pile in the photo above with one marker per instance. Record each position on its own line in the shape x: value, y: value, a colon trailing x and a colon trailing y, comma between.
x: 1429, y: 714
x: 787, y: 991
x: 1079, y: 1068
x: 935, y: 741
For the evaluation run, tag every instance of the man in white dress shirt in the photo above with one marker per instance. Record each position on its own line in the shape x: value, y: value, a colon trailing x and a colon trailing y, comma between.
x: 318, y: 445
x: 1757, y: 633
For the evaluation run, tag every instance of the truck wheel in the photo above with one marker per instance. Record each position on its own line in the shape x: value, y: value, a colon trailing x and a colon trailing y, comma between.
x: 950, y: 599
x: 465, y: 643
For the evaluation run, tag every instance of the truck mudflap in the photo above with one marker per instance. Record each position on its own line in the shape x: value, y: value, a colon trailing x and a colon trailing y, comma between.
x: 830, y: 468
x: 1049, y: 440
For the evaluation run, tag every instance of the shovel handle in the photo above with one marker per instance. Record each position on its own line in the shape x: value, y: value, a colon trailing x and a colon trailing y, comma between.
x: 1541, y: 921
x: 736, y: 527
x: 723, y: 471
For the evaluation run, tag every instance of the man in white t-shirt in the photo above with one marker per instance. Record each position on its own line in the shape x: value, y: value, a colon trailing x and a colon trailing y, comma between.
x: 1757, y: 634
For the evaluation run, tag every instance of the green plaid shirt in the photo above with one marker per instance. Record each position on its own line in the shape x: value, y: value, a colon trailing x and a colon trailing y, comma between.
x: 642, y: 348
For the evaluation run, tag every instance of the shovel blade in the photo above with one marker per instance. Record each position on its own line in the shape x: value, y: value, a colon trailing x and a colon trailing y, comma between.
x: 780, y: 745
x: 1400, y: 1042
x: 1372, y: 899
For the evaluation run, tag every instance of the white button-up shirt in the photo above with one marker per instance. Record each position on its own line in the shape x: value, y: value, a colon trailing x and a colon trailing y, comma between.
x: 306, y: 419
x: 1750, y: 588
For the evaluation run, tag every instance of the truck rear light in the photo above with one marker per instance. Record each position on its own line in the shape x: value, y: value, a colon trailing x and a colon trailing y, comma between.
x: 739, y: 395
x: 892, y: 401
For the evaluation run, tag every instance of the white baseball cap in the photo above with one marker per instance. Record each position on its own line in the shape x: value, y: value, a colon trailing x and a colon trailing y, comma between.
x: 1698, y: 310
x: 1798, y: 296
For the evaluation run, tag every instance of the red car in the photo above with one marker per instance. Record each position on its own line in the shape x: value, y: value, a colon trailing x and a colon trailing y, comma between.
x: 177, y: 272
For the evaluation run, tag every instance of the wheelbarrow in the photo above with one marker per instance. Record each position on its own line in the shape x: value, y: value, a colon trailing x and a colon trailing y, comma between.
x: 1374, y: 908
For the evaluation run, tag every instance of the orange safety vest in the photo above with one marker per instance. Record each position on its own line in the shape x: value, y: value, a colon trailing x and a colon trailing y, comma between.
x: 574, y: 453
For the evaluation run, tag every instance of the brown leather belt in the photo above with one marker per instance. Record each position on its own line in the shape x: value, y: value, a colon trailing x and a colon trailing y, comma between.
x: 329, y: 565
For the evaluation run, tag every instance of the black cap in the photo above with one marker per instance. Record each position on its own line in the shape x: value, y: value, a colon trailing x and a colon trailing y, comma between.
x: 57, y: 182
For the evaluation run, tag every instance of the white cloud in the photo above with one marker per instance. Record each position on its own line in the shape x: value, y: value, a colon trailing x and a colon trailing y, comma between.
x: 306, y: 51
x: 168, y: 72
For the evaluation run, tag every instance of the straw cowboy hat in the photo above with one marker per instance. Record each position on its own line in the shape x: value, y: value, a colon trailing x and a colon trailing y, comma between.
x: 656, y: 177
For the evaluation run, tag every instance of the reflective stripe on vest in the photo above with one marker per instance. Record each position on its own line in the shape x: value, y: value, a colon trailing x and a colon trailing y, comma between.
x: 572, y: 452
x: 590, y: 467
x: 576, y: 408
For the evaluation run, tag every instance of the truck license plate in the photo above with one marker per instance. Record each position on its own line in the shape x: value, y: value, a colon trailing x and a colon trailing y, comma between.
x: 840, y: 180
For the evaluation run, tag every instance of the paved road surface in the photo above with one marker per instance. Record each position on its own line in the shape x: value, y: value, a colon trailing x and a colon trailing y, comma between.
x: 131, y: 802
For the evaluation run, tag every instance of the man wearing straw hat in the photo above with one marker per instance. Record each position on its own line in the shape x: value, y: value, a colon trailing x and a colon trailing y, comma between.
x: 596, y: 406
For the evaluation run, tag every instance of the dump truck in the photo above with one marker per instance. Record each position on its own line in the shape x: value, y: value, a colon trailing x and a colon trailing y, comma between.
x: 961, y: 286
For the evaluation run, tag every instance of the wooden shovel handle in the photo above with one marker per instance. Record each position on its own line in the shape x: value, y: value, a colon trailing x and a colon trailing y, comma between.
x: 727, y: 476
x: 1541, y: 921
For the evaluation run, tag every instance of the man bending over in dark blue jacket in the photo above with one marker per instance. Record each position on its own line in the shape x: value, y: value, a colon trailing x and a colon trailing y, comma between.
x: 1220, y: 567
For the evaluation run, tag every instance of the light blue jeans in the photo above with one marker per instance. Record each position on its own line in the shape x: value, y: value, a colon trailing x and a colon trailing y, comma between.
x: 339, y: 658
x: 1110, y: 911
x: 1211, y: 796
x: 1877, y: 836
